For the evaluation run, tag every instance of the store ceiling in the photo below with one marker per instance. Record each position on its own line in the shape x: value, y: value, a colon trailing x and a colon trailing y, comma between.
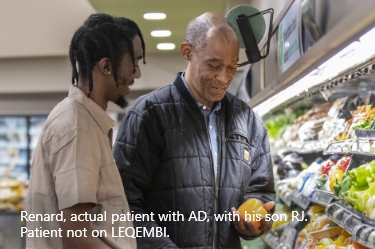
x: 179, y: 13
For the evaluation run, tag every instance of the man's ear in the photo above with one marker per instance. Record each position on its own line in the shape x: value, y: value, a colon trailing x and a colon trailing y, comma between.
x: 105, y: 66
x: 186, y: 50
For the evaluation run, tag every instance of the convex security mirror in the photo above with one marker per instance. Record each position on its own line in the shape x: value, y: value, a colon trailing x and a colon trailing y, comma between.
x: 250, y: 26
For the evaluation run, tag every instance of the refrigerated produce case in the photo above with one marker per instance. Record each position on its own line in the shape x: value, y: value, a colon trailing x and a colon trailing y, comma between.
x: 14, y: 147
x: 310, y: 131
x: 350, y: 214
x: 36, y: 124
x: 18, y: 139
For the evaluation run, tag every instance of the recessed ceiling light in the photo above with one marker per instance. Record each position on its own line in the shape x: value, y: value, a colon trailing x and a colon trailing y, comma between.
x: 160, y: 33
x: 154, y: 16
x: 166, y: 46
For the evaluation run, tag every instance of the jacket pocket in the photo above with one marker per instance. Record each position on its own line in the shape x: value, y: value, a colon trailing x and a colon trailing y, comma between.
x: 240, y: 143
x: 239, y: 153
x: 237, y: 137
x: 113, y: 190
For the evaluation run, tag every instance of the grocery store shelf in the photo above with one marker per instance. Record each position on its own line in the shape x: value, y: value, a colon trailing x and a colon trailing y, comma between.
x: 322, y: 197
x: 272, y: 240
x: 18, y: 145
x: 12, y: 131
x: 307, y: 147
x: 18, y: 161
x: 286, y: 197
x: 352, y: 146
x: 35, y: 131
x: 355, y: 24
x: 365, y: 235
x: 361, y: 227
x: 288, y: 238
x: 285, y: 194
x: 302, y: 201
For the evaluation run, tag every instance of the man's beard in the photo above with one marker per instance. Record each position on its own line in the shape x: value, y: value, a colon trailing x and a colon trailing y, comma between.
x: 121, y: 102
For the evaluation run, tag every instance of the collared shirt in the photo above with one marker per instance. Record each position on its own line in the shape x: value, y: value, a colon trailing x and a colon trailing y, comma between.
x: 211, y: 118
x: 73, y: 163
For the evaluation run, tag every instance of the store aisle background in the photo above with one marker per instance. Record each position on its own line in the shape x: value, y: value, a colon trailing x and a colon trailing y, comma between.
x: 34, y: 65
x: 35, y: 70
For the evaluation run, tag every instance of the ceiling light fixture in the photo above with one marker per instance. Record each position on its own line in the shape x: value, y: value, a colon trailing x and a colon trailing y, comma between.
x: 166, y: 46
x: 154, y: 16
x: 161, y: 33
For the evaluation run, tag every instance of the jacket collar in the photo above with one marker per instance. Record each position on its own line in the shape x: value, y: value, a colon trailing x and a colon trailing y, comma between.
x: 190, y: 101
x: 99, y: 115
x: 234, y: 124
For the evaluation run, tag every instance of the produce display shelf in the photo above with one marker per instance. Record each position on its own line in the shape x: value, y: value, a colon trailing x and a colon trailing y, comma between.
x: 343, y: 216
x: 365, y: 235
x: 322, y: 197
x: 286, y: 195
x: 4, y: 131
x: 353, y: 146
x: 302, y: 201
x: 6, y: 161
x: 307, y: 147
x: 361, y: 146
x: 361, y: 227
x: 16, y: 145
x: 272, y: 240
x: 287, y: 238
x: 289, y: 197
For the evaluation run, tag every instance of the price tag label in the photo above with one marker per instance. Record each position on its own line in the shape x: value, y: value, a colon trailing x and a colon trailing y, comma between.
x: 339, y: 148
x: 335, y: 214
x: 363, y: 234
x: 345, y: 147
x: 371, y: 238
x: 372, y: 147
x: 355, y: 147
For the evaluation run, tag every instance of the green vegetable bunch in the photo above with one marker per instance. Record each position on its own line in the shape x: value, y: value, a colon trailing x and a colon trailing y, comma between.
x: 362, y: 186
x: 366, y: 125
x: 342, y: 188
x: 358, y: 198
x: 321, y: 181
x: 277, y: 125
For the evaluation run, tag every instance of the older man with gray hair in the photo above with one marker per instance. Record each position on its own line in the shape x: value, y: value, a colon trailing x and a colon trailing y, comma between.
x: 196, y: 152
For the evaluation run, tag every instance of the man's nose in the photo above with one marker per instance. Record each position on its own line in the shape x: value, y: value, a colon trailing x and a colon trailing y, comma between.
x: 137, y: 73
x: 224, y: 76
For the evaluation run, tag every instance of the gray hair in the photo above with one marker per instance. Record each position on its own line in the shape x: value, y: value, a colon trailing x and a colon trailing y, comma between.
x: 199, y: 28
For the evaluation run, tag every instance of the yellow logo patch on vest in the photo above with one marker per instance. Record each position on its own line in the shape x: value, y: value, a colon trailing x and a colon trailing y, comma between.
x: 246, y: 155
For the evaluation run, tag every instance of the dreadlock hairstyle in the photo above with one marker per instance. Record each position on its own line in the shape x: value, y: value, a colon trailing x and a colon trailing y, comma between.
x: 102, y: 36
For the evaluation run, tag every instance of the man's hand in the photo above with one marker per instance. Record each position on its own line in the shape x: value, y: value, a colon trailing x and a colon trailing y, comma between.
x: 247, y: 227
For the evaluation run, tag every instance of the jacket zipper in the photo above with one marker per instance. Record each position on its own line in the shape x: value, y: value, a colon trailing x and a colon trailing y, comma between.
x: 236, y: 140
x: 217, y: 181
x: 227, y: 139
x: 215, y: 185
x: 215, y: 212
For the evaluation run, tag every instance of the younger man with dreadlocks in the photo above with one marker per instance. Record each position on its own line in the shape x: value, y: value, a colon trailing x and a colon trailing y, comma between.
x: 74, y: 170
